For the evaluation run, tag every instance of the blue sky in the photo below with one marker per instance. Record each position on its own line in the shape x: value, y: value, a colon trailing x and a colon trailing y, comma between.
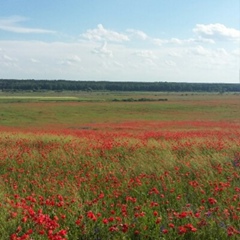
x: 121, y: 40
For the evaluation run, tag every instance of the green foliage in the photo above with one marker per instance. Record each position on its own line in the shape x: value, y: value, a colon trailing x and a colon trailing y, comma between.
x: 61, y: 85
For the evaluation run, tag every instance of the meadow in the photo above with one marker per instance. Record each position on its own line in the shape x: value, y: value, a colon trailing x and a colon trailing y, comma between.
x: 107, y: 165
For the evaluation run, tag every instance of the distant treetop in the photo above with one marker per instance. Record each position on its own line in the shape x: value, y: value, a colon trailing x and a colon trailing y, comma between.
x: 62, y: 85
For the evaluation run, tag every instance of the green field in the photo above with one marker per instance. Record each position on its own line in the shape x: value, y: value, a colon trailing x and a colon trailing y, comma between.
x: 75, y: 109
x: 114, y: 165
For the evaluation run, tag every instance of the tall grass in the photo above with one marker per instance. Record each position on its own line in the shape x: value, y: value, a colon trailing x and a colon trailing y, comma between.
x: 121, y: 184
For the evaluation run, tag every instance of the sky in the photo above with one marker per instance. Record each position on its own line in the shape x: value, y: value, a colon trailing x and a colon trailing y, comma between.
x: 121, y: 40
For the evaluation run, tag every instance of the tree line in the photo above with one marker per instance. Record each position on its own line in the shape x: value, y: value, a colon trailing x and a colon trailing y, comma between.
x: 63, y: 85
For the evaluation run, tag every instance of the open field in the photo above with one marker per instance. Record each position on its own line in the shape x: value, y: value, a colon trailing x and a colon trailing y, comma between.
x: 85, y: 166
x: 81, y: 108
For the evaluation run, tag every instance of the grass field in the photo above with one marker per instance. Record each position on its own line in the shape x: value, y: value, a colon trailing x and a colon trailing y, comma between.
x: 85, y: 166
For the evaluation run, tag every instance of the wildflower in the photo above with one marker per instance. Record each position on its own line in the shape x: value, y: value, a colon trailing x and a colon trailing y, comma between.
x: 92, y: 216
x: 30, y: 231
x: 154, y: 191
x: 171, y: 225
x: 111, y: 219
x: 24, y: 219
x: 193, y: 229
x: 154, y: 204
x: 164, y: 231
x: 105, y: 221
x: 62, y: 232
x: 231, y: 231
x: 183, y: 215
x: 78, y: 222
x: 142, y: 214
x: 41, y: 232
x: 118, y: 219
x: 136, y: 232
x: 212, y: 201
x: 179, y: 197
x: 124, y: 228
x: 159, y: 219
x: 190, y: 227
x: 155, y: 213
x: 182, y: 230
x: 101, y: 196
x: 14, y: 214
x: 113, y: 229
x: 197, y: 214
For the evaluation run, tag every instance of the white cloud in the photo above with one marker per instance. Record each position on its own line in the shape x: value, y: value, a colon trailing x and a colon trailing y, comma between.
x: 209, y: 53
x: 8, y: 62
x: 218, y: 64
x: 158, y: 41
x: 221, y: 52
x: 148, y: 54
x: 11, y: 24
x: 75, y: 59
x: 103, y: 51
x: 202, y: 40
x: 177, y: 41
x: 33, y: 60
x: 71, y: 60
x: 174, y: 53
x: 236, y: 52
x: 200, y: 51
x: 137, y: 34
x: 204, y: 34
x: 117, y: 64
x: 216, y: 32
x: 10, y: 59
x: 170, y: 63
x: 102, y: 34
x: 103, y: 54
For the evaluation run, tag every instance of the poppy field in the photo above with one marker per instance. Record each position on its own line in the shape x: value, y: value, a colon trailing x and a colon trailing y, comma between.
x: 120, y: 170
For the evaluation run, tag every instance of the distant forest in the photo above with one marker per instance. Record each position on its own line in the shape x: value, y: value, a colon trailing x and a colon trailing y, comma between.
x: 67, y: 85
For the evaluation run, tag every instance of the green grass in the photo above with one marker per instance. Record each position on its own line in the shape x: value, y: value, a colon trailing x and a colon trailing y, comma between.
x: 80, y: 169
x: 122, y: 150
x: 68, y: 110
